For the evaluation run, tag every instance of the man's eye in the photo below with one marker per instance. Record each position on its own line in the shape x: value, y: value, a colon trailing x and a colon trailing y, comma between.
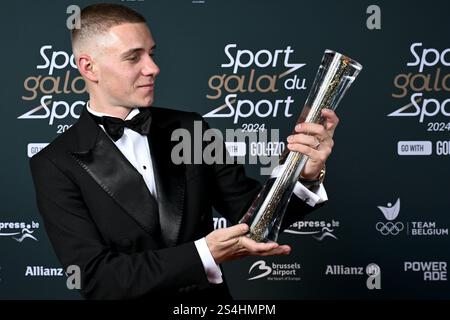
x: 151, y: 54
x: 133, y: 58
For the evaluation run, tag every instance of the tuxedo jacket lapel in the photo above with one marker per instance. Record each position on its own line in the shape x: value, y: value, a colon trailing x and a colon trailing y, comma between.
x: 104, y: 162
x: 170, y: 181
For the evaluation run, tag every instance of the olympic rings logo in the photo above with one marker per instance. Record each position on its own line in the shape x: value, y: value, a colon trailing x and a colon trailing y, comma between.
x: 389, y: 228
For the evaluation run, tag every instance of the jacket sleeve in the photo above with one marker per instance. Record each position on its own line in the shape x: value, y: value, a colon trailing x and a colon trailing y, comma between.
x: 106, y: 273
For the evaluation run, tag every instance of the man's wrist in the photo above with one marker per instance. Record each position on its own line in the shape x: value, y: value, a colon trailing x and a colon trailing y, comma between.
x: 313, y: 183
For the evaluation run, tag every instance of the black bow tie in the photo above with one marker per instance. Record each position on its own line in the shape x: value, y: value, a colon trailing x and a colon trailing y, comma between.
x: 115, y: 126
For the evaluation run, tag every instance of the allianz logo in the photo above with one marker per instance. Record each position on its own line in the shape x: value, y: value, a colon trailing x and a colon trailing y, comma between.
x: 372, y: 271
x: 73, y: 274
x: 41, y: 271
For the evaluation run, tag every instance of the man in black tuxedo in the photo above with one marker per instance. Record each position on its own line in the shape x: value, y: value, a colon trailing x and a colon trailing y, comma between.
x: 112, y: 200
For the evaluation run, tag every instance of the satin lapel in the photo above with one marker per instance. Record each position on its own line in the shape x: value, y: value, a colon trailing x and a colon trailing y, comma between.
x: 170, y: 183
x: 104, y: 162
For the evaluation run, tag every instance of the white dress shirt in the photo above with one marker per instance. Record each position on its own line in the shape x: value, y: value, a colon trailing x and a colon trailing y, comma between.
x: 134, y: 147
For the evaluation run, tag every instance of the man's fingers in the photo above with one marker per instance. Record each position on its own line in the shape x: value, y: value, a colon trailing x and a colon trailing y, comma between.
x: 235, y: 231
x: 284, y: 249
x: 257, y: 247
x: 331, y: 120
x: 302, y: 138
x: 306, y: 150
x: 314, y: 129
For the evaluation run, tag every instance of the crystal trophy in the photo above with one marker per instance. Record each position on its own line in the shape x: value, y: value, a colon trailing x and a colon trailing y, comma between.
x: 264, y: 217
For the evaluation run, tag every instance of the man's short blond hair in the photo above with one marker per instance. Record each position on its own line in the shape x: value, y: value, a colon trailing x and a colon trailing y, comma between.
x: 97, y: 19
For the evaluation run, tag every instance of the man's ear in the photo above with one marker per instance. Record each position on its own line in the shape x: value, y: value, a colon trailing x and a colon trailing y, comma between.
x: 87, y: 68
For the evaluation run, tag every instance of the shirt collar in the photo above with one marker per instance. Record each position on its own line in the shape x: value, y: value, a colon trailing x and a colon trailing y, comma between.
x: 132, y: 113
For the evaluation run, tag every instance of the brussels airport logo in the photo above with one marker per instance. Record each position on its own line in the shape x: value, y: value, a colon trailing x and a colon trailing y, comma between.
x: 231, y: 92
x: 372, y: 271
x: 425, y: 83
x: 18, y: 231
x: 412, y: 228
x: 319, y: 230
x: 390, y: 227
x: 262, y: 270
x: 275, y: 271
x: 46, y: 90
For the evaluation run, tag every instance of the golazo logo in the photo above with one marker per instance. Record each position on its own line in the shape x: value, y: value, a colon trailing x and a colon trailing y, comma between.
x: 390, y: 213
x: 19, y: 231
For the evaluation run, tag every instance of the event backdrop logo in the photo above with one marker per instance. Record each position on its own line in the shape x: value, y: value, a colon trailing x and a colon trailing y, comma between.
x: 275, y: 271
x: 431, y: 270
x: 255, y: 84
x: 412, y: 228
x: 73, y: 274
x: 372, y: 271
x: 245, y: 80
x: 18, y: 231
x: 319, y: 230
x: 50, y: 90
x: 390, y: 213
x: 421, y: 91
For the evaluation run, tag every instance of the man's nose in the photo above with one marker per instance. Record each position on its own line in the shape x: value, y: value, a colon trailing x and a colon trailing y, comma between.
x: 150, y: 67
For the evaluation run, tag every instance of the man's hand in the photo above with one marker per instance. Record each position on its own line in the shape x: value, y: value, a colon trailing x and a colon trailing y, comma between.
x: 231, y: 243
x: 315, y: 141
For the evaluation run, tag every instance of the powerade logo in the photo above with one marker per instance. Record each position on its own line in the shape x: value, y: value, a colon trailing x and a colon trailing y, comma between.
x: 430, y: 270
x: 248, y: 76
